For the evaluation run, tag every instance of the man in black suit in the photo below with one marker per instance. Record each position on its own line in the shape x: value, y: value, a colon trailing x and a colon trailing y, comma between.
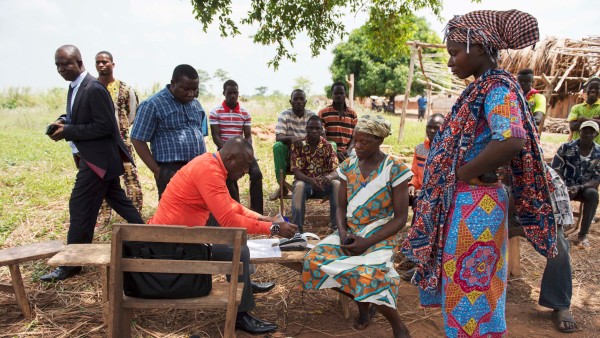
x: 90, y: 126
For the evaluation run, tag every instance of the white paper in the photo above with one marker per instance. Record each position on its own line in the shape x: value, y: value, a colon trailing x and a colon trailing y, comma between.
x: 263, y: 248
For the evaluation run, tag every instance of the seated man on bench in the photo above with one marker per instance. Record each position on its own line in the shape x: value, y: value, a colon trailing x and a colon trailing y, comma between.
x: 557, y: 282
x: 199, y: 189
x: 313, y: 164
x: 578, y: 164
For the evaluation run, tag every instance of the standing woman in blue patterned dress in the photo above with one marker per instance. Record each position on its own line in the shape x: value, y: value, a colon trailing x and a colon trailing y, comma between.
x: 459, y: 233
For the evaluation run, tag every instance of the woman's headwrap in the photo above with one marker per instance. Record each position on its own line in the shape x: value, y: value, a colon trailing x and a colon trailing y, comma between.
x: 374, y: 125
x: 495, y: 30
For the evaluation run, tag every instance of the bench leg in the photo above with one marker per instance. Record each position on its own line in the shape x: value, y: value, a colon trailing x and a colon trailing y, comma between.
x: 514, y: 256
x: 345, y: 303
x: 104, y: 275
x: 19, y: 289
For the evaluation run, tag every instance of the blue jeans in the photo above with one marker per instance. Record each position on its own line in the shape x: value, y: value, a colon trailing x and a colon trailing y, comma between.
x: 557, y: 283
x: 302, y: 191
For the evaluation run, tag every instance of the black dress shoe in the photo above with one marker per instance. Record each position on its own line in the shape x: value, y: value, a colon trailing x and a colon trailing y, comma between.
x: 60, y: 273
x: 262, y: 287
x: 254, y: 325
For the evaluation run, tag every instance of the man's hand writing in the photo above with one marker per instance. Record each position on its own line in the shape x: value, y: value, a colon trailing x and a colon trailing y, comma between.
x: 287, y: 230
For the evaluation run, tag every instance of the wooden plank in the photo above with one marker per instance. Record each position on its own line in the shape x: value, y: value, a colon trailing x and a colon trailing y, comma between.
x: 176, y: 266
x: 566, y: 73
x: 514, y: 256
x: 104, y: 276
x: 216, y: 299
x: 29, y: 252
x: 82, y: 255
x: 425, y: 44
x: 345, y: 304
x: 17, y: 283
x: 179, y: 234
x: 411, y: 67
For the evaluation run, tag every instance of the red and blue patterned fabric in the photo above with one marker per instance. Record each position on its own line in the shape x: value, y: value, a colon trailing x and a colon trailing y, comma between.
x: 458, y: 234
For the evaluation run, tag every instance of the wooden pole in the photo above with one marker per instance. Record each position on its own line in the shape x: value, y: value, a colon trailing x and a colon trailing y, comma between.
x: 350, y: 82
x: 281, y: 191
x: 429, y: 103
x: 411, y: 66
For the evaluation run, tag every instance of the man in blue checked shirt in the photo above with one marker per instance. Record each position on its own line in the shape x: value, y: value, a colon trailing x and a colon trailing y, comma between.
x: 174, y: 123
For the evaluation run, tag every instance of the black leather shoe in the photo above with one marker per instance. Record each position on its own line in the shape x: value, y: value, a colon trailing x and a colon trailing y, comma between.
x: 60, y: 273
x: 254, y: 325
x: 262, y: 287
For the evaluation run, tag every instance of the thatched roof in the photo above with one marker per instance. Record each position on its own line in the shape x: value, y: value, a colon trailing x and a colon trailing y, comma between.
x: 561, y: 66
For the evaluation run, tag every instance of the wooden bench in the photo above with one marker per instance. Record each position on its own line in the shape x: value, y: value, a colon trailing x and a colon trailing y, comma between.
x: 99, y: 255
x: 223, y: 294
x: 88, y: 255
x: 12, y: 257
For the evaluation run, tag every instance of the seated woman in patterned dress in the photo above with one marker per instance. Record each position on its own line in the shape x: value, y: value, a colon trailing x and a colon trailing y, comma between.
x: 370, y: 214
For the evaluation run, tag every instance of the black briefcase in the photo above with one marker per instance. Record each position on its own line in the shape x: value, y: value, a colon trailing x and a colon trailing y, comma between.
x: 166, y: 285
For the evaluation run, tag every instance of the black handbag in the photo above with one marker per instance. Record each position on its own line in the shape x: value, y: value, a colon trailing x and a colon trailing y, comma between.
x: 166, y: 285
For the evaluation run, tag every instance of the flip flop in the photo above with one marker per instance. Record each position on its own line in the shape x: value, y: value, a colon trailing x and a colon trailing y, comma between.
x: 361, y: 326
x: 585, y: 243
x: 563, y: 316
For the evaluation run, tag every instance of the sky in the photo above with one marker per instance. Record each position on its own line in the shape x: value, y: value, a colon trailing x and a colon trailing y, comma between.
x: 148, y: 38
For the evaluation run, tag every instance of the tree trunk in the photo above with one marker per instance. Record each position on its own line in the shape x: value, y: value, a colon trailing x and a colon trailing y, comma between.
x: 350, y: 82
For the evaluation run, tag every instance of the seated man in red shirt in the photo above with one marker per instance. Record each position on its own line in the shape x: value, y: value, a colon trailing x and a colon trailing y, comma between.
x: 198, y: 190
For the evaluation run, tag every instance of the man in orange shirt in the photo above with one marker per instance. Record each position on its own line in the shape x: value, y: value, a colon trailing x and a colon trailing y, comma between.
x: 420, y: 156
x: 198, y: 189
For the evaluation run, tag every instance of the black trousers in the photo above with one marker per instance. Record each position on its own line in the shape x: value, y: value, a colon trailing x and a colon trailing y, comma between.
x: 87, y: 195
x: 222, y: 252
x: 165, y: 174
x: 589, y: 197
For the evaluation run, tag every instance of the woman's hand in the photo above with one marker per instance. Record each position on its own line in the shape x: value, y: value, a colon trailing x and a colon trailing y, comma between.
x: 359, y: 246
x: 461, y: 175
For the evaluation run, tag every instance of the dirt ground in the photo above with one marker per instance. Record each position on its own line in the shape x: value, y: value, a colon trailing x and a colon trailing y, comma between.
x: 72, y: 308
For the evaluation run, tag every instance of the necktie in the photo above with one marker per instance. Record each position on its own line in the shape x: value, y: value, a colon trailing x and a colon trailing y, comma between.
x: 69, y: 98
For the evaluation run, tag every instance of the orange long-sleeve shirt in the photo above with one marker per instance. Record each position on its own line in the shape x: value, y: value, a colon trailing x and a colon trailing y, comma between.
x: 199, y: 189
x: 418, y: 164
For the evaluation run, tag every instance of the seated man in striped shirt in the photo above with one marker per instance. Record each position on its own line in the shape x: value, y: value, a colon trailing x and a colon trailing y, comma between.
x: 229, y: 120
x: 339, y: 121
x: 290, y: 129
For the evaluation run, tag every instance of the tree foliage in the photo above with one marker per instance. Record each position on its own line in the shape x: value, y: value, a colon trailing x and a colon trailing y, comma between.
x: 303, y: 83
x: 280, y: 22
x: 261, y: 91
x: 203, y: 77
x: 377, y: 71
x: 221, y: 74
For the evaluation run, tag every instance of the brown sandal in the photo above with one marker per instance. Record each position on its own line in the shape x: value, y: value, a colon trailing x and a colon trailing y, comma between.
x: 358, y: 325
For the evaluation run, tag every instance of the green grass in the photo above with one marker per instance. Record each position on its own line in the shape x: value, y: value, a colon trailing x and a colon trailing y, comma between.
x: 37, y: 174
